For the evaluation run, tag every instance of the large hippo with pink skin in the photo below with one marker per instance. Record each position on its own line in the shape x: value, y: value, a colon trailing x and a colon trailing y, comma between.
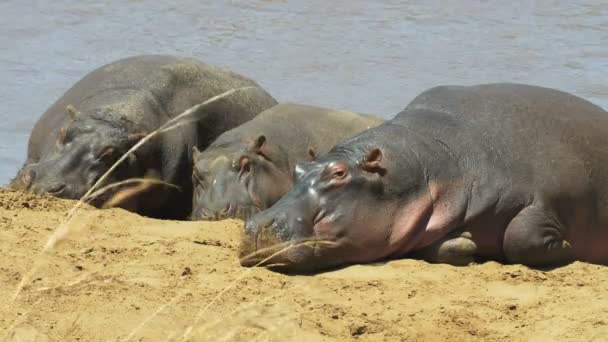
x: 506, y: 172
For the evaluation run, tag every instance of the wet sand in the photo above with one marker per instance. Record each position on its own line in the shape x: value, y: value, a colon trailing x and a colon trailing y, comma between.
x: 116, y: 269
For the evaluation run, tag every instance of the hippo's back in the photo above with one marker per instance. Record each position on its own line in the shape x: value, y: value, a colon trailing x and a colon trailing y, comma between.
x: 298, y: 127
x: 512, y: 122
x: 125, y: 75
x: 510, y: 104
x: 155, y: 87
x: 175, y: 82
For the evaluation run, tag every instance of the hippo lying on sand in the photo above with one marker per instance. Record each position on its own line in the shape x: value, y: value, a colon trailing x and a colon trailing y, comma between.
x: 248, y: 168
x: 507, y: 172
x: 110, y: 109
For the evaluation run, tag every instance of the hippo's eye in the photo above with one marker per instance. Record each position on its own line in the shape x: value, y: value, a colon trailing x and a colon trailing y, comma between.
x: 107, y: 155
x: 338, y: 172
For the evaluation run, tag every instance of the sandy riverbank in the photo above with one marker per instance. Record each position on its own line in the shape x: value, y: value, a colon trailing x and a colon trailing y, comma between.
x: 116, y: 269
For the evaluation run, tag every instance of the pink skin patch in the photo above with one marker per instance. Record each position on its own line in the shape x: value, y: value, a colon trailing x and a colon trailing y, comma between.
x: 418, y: 224
x: 425, y: 220
x: 410, y: 222
x: 323, y: 229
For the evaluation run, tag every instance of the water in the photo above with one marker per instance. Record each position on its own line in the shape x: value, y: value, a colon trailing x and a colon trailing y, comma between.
x: 368, y: 56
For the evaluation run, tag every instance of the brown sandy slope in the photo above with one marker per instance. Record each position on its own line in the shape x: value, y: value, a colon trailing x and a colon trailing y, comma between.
x: 117, y: 269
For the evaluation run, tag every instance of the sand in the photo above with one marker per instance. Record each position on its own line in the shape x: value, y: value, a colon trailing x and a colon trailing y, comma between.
x: 119, y: 276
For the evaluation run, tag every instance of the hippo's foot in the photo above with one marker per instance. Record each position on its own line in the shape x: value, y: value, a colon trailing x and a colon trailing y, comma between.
x: 456, y: 249
x: 535, y: 238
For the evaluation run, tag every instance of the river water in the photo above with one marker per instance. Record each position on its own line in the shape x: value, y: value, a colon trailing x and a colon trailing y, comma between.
x: 362, y: 55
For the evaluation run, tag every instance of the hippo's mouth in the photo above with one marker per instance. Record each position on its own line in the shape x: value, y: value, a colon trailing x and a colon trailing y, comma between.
x: 285, y: 254
x: 268, y: 256
x: 230, y: 211
x: 264, y: 249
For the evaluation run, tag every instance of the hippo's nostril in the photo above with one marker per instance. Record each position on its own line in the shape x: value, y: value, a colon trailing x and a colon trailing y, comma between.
x: 56, y: 189
x: 254, y: 227
x: 226, y: 209
x: 208, y: 215
x: 250, y: 226
x: 28, y: 177
x: 271, y: 225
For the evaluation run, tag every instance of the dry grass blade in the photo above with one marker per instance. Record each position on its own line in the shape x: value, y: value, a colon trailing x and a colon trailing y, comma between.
x: 22, y: 318
x: 75, y: 282
x: 125, y: 194
x: 62, y: 230
x: 243, y: 275
x: 148, y: 181
x: 171, y: 124
x: 241, y: 309
x: 150, y: 317
x: 73, y: 328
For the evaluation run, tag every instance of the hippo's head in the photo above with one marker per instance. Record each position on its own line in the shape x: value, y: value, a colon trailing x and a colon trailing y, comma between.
x: 337, y: 212
x: 85, y: 148
x: 238, y: 179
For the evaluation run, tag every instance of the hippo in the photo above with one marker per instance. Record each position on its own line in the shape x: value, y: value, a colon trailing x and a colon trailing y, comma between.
x: 507, y: 172
x: 248, y: 168
x: 104, y: 114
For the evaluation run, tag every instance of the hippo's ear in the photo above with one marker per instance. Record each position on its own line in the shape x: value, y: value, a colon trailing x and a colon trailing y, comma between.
x: 134, y: 138
x: 196, y: 153
x: 259, y: 147
x: 72, y: 112
x: 371, y: 162
x: 61, y: 137
x: 312, y: 155
x: 258, y: 143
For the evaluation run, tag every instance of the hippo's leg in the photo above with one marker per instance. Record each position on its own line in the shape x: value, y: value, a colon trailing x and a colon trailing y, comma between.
x: 457, y: 248
x: 535, y: 238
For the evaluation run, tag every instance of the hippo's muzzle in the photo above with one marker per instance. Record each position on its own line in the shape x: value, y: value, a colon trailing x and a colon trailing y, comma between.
x: 269, y: 241
x: 30, y: 180
x: 260, y: 242
x: 230, y: 210
x: 211, y: 215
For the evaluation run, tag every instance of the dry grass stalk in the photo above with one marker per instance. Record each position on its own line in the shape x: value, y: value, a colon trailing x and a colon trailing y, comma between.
x: 243, y: 275
x: 136, y: 181
x: 150, y: 317
x: 73, y: 328
x: 180, y: 120
x: 75, y: 282
x: 63, y: 229
x: 20, y: 319
x: 123, y: 195
x: 243, y: 310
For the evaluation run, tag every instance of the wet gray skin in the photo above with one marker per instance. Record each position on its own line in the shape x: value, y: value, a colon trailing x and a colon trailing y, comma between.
x: 109, y: 110
x: 250, y: 167
x: 237, y: 180
x: 324, y: 220
x: 506, y: 172
x: 84, y: 150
